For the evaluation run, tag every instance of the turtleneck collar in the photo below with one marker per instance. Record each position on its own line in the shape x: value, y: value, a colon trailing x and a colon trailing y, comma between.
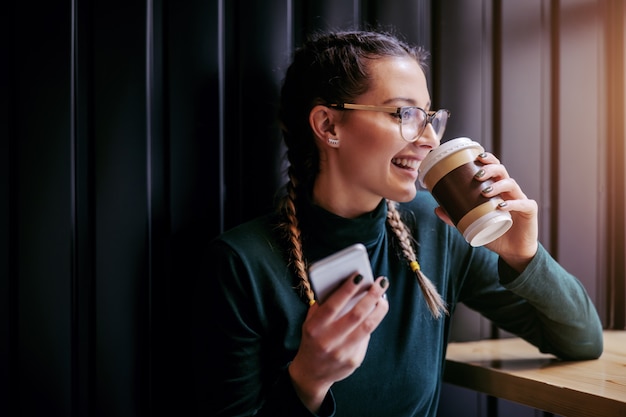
x: 330, y: 232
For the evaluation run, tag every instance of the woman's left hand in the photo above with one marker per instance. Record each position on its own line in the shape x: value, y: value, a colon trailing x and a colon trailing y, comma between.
x: 519, y: 244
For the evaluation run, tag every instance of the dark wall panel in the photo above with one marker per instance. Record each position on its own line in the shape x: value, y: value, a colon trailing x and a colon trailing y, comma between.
x: 135, y: 132
x: 40, y: 299
x: 255, y: 45
x: 122, y: 283
x: 6, y: 179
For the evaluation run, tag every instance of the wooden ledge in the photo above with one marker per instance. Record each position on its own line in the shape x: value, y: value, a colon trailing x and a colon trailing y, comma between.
x: 514, y: 370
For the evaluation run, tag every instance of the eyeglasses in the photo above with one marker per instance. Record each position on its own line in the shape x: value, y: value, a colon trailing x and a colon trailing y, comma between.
x: 412, y: 120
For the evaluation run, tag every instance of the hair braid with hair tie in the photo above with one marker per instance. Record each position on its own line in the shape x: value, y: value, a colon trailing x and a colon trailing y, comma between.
x: 435, y: 302
x: 291, y: 230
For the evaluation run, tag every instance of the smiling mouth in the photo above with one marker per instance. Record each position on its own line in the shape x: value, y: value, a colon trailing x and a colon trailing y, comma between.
x: 405, y: 163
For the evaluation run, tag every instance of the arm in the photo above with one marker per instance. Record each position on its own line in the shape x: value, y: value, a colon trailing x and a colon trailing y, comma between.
x: 544, y: 304
x: 570, y: 326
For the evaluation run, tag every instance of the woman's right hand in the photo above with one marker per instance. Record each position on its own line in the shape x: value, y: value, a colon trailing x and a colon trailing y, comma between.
x: 334, y: 346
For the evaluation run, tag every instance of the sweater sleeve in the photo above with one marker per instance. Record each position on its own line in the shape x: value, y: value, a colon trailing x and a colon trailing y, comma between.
x: 234, y: 375
x: 545, y: 305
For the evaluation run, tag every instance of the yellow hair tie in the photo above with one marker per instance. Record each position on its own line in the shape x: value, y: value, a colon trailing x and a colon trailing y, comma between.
x: 415, y: 266
x: 311, y: 302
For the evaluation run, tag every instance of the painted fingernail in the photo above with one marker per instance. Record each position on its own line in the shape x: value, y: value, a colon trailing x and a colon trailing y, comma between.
x: 480, y: 173
x: 358, y: 279
x: 488, y: 189
x: 482, y: 155
x: 502, y: 204
x: 384, y: 282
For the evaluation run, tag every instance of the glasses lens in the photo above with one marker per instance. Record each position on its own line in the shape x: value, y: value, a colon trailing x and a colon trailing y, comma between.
x: 413, y: 120
x: 439, y: 121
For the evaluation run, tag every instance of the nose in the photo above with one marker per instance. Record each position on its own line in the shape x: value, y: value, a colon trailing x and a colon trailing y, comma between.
x: 429, y: 137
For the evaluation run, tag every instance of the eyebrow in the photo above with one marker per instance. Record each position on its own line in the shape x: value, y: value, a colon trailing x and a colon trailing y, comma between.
x: 411, y: 102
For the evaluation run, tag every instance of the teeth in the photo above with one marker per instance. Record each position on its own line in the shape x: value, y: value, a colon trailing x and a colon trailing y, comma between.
x: 405, y: 163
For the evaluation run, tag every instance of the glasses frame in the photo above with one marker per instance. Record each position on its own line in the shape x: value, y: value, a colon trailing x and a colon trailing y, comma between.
x: 396, y: 111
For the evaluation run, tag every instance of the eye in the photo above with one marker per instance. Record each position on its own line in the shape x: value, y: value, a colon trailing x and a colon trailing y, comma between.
x: 408, y: 114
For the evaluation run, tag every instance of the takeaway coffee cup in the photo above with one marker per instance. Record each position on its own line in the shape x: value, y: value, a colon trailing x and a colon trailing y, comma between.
x: 448, y: 173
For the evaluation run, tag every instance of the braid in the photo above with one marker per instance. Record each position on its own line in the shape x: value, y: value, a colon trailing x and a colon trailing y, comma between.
x: 291, y: 230
x: 435, y: 302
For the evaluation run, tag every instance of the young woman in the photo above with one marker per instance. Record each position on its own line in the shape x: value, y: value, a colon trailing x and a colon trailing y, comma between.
x: 357, y: 121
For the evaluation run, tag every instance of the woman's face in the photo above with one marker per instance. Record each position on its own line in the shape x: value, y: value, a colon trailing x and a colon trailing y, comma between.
x: 373, y: 160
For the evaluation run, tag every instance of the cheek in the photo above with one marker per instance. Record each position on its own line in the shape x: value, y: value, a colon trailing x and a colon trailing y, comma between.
x: 375, y: 141
x: 375, y: 131
x: 369, y: 150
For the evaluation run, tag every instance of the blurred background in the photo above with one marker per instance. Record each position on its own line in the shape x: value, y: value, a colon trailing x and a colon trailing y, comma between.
x: 131, y: 133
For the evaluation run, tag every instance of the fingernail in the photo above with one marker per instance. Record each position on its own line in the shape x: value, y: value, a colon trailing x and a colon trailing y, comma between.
x: 502, y: 204
x: 480, y: 173
x: 384, y: 282
x: 358, y: 279
x: 482, y: 155
x: 487, y: 189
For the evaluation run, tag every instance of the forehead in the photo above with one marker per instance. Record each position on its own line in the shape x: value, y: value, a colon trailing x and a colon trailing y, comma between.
x: 398, y: 79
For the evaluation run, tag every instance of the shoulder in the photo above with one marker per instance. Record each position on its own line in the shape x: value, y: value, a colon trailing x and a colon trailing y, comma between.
x: 258, y: 239
x: 250, y: 262
x: 252, y: 235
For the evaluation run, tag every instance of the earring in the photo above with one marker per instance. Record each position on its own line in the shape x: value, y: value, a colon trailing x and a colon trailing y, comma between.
x: 333, y: 142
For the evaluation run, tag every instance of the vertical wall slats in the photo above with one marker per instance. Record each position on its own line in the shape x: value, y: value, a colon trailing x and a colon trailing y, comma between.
x: 159, y: 341
x: 615, y: 246
x: 8, y: 233
x: 153, y: 152
x: 41, y: 365
x: 122, y: 291
x: 82, y: 214
x: 580, y: 127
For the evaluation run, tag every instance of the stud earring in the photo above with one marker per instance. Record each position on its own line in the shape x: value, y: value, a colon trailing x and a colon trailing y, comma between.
x: 333, y: 142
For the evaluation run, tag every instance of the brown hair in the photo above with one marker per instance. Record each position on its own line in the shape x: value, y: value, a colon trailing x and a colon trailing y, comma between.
x: 333, y: 68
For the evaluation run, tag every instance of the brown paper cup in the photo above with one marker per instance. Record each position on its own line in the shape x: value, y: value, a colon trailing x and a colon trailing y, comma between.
x: 448, y: 173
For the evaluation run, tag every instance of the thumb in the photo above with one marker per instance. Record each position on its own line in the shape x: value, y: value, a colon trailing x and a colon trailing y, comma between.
x: 441, y: 213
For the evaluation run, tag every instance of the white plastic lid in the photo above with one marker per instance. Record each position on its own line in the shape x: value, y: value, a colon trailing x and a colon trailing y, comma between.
x: 442, y: 151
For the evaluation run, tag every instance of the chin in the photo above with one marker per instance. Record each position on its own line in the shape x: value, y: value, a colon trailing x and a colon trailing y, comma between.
x: 404, y: 196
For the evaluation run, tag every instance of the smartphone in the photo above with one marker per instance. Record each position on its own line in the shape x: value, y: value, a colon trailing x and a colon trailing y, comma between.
x: 328, y: 273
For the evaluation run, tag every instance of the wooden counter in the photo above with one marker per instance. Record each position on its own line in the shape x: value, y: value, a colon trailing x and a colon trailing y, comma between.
x: 514, y: 370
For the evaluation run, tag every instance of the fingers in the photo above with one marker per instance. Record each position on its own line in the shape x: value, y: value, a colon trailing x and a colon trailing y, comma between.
x: 497, y: 179
x: 501, y: 187
x: 333, y: 331
x: 491, y: 169
x: 488, y: 158
x: 368, y: 313
x: 374, y: 298
x: 497, y: 182
x: 344, y: 296
x: 363, y: 299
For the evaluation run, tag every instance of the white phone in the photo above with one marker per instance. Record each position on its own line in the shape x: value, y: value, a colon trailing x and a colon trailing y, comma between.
x: 328, y: 273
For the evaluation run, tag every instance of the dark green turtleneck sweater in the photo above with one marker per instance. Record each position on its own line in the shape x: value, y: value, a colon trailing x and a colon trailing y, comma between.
x: 249, y: 315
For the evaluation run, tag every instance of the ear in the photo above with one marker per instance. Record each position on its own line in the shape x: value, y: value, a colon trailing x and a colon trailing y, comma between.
x: 322, y: 121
